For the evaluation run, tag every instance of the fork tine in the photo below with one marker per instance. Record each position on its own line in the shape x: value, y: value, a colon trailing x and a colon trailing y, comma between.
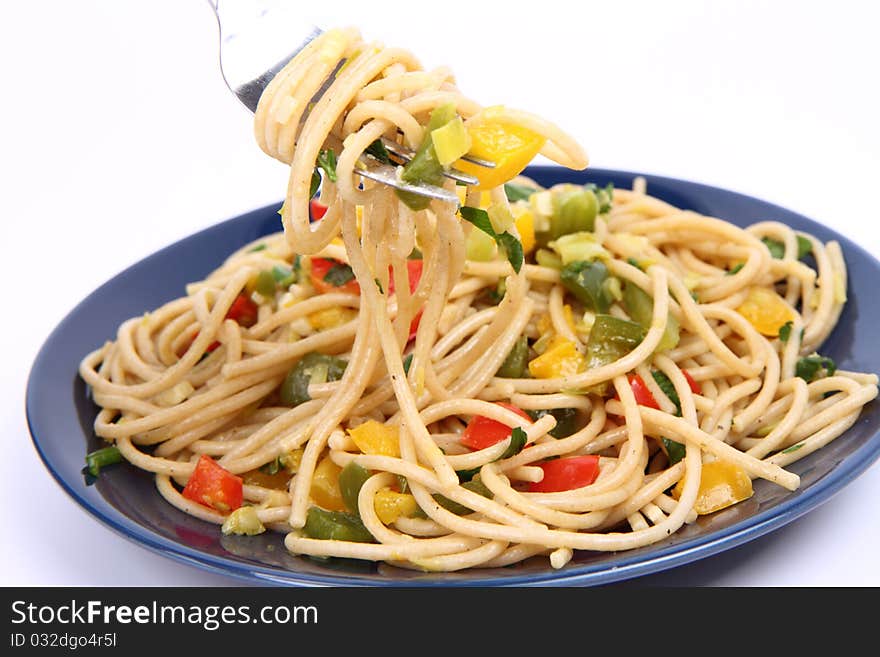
x: 387, y: 175
x: 406, y: 154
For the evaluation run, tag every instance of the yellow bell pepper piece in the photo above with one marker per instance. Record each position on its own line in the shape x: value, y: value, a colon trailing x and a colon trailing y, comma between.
x: 373, y: 437
x: 328, y: 318
x: 325, y: 489
x: 766, y: 311
x: 511, y: 147
x: 525, y: 226
x: 560, y: 359
x: 390, y: 505
x: 722, y: 484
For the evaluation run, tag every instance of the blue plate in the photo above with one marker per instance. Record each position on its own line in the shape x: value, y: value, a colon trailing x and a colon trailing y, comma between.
x: 60, y: 416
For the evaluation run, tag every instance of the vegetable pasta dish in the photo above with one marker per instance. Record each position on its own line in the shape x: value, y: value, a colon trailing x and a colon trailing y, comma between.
x: 440, y: 386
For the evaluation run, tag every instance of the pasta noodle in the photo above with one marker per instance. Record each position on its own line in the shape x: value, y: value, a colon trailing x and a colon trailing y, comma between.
x: 291, y: 377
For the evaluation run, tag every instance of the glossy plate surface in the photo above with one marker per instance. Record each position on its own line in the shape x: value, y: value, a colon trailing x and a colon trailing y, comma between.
x: 60, y: 416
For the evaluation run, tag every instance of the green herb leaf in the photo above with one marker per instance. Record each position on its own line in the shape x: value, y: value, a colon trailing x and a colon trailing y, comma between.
x: 327, y: 161
x: 735, y: 269
x: 511, y: 245
x: 605, y: 196
x: 407, y: 362
x: 315, y: 183
x: 793, y: 448
x: 776, y: 248
x: 518, y: 439
x: 272, y: 467
x: 467, y: 475
x: 566, y: 420
x: 377, y: 149
x: 314, y: 367
x: 674, y: 450
x: 804, y: 245
x: 810, y: 368
x: 518, y: 192
x: 258, y: 247
x: 785, y: 331
x: 668, y: 389
x: 634, y: 263
x: 339, y: 274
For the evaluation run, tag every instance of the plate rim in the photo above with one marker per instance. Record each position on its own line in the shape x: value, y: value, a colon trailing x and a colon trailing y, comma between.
x: 631, y: 565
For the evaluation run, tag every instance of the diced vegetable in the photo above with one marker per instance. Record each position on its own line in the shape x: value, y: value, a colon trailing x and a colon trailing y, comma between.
x: 566, y: 420
x: 475, y: 485
x: 325, y: 489
x: 640, y: 307
x: 605, y: 195
x: 101, y: 458
x: 809, y: 368
x: 777, y: 248
x: 451, y: 141
x: 516, y: 192
x: 547, y: 258
x: 424, y: 167
x: 335, y: 526
x: 574, y: 210
x: 480, y: 246
x: 766, y: 311
x: 695, y: 387
x: 612, y: 338
x: 352, y: 477
x: 514, y: 366
x: 560, y: 359
x: 482, y: 432
x: 377, y: 149
x: 578, y: 246
x: 243, y: 311
x: 265, y: 284
x: 587, y: 281
x: 668, y: 389
x: 722, y: 484
x: 511, y: 147
x: 500, y: 217
x: 311, y: 368
x: 391, y: 505
x: 566, y: 474
x: 374, y: 437
x: 525, y: 226
x: 511, y: 245
x: 328, y: 318
x: 214, y: 486
x: 675, y: 451
x: 243, y: 520
x: 329, y: 275
x: 317, y: 210
x: 414, y: 273
x: 643, y: 394
x: 327, y: 161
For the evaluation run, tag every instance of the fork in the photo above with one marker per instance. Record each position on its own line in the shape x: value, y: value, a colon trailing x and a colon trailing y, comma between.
x: 257, y: 39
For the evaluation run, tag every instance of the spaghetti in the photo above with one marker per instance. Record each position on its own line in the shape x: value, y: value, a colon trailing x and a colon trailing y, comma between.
x: 568, y: 369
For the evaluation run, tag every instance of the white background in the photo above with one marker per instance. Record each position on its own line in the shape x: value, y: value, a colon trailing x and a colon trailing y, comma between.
x: 119, y: 137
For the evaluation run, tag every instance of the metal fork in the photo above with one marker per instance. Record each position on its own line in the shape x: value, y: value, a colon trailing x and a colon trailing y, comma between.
x: 257, y: 39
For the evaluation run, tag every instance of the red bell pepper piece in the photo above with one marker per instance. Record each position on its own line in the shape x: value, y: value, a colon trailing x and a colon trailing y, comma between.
x: 413, y: 269
x: 566, y: 474
x: 243, y: 310
x: 696, y: 388
x: 642, y: 393
x: 482, y: 432
x: 320, y: 267
x: 316, y: 209
x: 212, y: 485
